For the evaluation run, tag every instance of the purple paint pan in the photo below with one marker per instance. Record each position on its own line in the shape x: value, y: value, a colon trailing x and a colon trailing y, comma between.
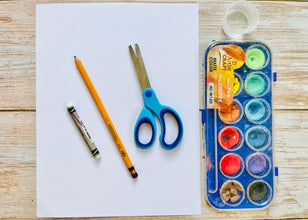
x: 257, y: 164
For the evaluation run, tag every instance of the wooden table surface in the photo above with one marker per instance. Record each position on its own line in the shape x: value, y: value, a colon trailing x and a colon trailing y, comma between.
x: 282, y: 24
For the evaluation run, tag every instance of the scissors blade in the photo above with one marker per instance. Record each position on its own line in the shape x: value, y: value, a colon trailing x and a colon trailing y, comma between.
x: 139, y: 67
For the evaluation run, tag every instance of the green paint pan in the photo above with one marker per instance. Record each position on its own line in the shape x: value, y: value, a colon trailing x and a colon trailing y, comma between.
x: 256, y: 58
x: 255, y: 84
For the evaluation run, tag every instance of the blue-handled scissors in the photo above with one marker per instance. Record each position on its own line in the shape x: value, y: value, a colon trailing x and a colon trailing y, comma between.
x: 152, y: 105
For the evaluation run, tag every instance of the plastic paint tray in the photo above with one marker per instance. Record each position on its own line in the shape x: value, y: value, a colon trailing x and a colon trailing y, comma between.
x: 239, y: 152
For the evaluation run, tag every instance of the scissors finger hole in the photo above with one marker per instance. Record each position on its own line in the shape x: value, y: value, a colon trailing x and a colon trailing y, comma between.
x: 145, y: 133
x: 171, y: 128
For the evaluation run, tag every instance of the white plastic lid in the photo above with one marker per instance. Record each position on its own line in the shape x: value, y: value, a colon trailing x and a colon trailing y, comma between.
x: 240, y: 18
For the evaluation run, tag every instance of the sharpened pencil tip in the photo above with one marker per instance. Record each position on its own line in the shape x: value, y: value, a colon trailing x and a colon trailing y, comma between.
x: 76, y: 59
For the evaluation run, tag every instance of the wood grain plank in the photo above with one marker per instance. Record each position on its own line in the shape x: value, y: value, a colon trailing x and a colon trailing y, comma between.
x: 282, y: 25
x: 18, y: 170
x: 17, y: 165
x: 17, y: 55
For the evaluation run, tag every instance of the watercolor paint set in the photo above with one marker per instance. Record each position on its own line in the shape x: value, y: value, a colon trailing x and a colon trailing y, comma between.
x: 238, y: 125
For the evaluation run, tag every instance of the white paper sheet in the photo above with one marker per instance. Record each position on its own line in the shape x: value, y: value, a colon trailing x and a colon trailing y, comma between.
x: 70, y: 182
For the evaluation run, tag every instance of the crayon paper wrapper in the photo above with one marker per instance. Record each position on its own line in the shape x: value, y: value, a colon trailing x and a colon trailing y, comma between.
x: 221, y: 62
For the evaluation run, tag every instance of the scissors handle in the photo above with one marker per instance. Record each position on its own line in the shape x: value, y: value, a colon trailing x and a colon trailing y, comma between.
x: 145, y: 117
x: 151, y: 102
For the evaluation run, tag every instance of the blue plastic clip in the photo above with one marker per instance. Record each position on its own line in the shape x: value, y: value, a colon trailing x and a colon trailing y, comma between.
x: 203, y: 116
x: 274, y: 76
x: 276, y: 171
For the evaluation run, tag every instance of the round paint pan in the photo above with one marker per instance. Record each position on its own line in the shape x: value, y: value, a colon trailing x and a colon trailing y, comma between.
x: 257, y: 57
x: 230, y: 138
x: 231, y: 165
x: 257, y: 111
x: 258, y: 138
x: 259, y: 192
x: 232, y: 115
x: 258, y: 165
x: 232, y: 192
x: 256, y: 84
x: 237, y: 84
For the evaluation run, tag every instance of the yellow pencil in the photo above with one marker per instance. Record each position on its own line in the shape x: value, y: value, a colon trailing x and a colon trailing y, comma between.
x: 106, y: 117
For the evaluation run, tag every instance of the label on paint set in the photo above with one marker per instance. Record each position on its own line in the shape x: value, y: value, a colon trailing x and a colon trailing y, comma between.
x: 238, y: 120
x: 221, y: 62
